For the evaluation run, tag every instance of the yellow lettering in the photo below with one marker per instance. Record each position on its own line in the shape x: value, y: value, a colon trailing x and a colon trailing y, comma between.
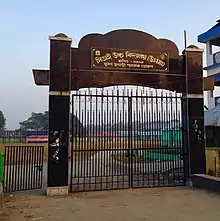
x: 123, y: 60
x: 120, y: 65
x: 128, y: 54
x: 146, y: 66
x: 118, y: 55
x: 129, y: 59
x: 108, y: 64
x: 154, y: 60
x: 143, y: 56
x: 103, y: 58
x: 98, y: 60
x: 133, y: 65
x: 114, y: 55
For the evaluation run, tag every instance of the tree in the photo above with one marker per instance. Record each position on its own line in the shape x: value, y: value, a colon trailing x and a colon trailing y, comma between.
x: 36, y: 122
x: 40, y: 122
x: 2, y: 121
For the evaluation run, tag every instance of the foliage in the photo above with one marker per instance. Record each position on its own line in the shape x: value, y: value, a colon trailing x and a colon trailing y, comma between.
x: 36, y: 122
x: 2, y: 121
x: 40, y: 122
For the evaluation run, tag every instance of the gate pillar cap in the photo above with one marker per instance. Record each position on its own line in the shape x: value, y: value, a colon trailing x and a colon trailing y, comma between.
x: 60, y: 37
x: 193, y: 48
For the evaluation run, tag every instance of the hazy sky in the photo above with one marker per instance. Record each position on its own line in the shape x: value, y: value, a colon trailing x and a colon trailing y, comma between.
x: 25, y: 27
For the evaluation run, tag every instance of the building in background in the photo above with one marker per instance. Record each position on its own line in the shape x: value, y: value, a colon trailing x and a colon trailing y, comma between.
x: 212, y: 40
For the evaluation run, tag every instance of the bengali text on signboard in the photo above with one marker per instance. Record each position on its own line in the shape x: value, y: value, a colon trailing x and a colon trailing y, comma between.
x: 105, y: 58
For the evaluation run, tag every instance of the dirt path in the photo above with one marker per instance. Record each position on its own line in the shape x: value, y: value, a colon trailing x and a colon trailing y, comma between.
x: 165, y: 204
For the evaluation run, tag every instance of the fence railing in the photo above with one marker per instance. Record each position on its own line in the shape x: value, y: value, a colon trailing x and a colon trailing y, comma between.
x: 212, y: 137
x: 13, y: 139
x: 23, y: 168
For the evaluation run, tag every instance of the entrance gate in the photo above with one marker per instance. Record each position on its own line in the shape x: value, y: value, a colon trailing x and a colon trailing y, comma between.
x: 122, y: 139
x: 119, y: 140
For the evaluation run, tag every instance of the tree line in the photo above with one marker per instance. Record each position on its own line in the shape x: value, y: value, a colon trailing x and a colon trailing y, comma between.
x: 40, y: 122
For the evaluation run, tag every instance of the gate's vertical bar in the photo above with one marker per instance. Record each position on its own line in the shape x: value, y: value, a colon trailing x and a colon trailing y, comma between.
x: 130, y: 170
x: 121, y: 148
x: 36, y: 166
x: 172, y: 136
x: 153, y: 136
x: 170, y: 150
x: 40, y: 167
x: 142, y: 143
x: 25, y: 172
x: 116, y: 135
x: 94, y: 163
x: 85, y: 144
x: 163, y: 135
x: 15, y: 166
x: 111, y: 130
x: 21, y: 172
x: 76, y: 150
x: 146, y: 120
x: 18, y: 167
x: 71, y: 140
x: 102, y: 152
x: 178, y: 130
x: 98, y: 161
x: 156, y: 136
x: 91, y: 151
x: 124, y: 135
x: 34, y: 170
x: 10, y: 165
x: 41, y: 162
x: 108, y: 120
x: 33, y: 166
x: 28, y: 157
x: 59, y: 112
x: 167, y: 145
x: 105, y: 123
x: 94, y: 147
x: 135, y: 140
x: 7, y: 170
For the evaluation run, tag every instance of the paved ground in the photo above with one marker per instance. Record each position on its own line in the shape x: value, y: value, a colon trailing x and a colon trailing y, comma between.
x: 165, y: 204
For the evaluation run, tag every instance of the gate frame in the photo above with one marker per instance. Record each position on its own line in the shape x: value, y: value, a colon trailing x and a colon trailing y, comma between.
x: 124, y: 180
x: 70, y: 69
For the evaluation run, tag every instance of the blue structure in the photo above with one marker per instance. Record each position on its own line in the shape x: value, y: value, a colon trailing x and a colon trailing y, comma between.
x: 213, y: 34
x: 212, y: 38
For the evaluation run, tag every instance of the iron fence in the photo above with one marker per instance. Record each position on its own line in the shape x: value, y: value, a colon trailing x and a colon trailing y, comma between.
x: 126, y: 140
x: 24, y: 137
x: 15, y: 138
x: 23, y: 168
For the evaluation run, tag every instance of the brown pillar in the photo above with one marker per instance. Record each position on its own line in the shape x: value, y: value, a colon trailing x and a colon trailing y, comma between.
x: 195, y: 161
x: 59, y: 109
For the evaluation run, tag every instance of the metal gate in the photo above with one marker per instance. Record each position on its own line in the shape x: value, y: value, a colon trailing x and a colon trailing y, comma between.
x: 23, y: 168
x: 126, y: 140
